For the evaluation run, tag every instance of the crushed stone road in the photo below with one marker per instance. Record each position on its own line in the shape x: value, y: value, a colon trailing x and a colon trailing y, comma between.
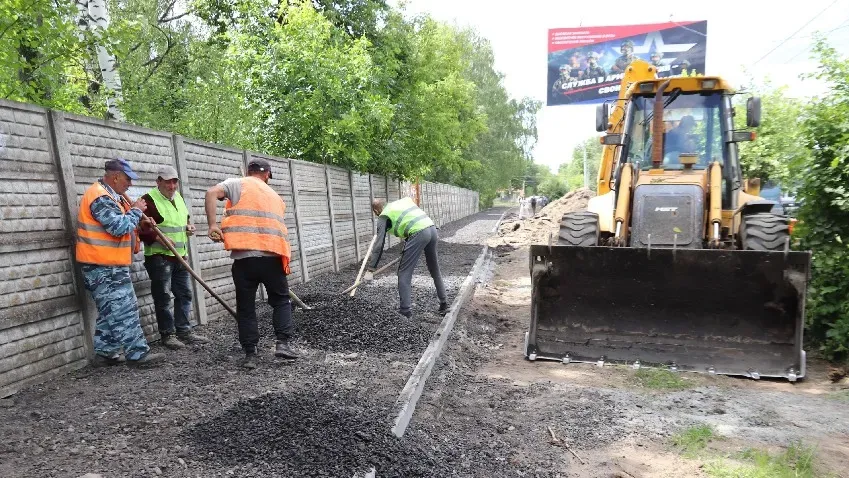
x: 328, y: 414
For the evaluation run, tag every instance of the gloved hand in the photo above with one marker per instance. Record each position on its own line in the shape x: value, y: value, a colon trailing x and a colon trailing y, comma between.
x: 368, y: 276
x: 215, y: 233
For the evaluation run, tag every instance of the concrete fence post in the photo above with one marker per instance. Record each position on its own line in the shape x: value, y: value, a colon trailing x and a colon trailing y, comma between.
x: 198, y: 291
x: 370, y: 202
x: 354, y: 214
x: 301, y: 249
x: 332, y: 213
x: 67, y: 185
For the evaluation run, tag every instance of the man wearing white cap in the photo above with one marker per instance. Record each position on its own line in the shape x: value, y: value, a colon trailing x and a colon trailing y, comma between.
x: 168, y: 210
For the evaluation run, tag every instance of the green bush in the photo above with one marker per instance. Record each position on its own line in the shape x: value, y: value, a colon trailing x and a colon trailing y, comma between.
x: 552, y: 187
x: 824, y: 215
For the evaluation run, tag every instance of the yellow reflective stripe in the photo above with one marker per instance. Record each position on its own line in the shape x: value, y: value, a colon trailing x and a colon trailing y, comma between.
x: 401, y: 217
x: 254, y: 230
x: 177, y: 245
x: 253, y: 213
x: 104, y: 242
x: 91, y: 227
x: 410, y: 224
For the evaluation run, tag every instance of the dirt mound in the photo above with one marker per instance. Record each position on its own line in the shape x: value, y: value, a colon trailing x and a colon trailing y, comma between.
x: 536, y: 230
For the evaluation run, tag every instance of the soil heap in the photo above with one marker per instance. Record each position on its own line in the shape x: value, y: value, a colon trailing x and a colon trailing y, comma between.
x: 536, y: 230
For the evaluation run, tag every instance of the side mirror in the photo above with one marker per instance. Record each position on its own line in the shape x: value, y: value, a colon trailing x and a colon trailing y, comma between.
x: 753, y: 112
x: 601, y: 117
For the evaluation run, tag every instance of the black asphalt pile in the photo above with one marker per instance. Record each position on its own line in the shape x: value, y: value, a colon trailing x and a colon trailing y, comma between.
x: 361, y: 324
x: 322, y: 433
x: 368, y: 322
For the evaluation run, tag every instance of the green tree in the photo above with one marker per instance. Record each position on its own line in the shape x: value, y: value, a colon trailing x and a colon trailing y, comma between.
x: 350, y: 82
x: 824, y: 215
x: 573, y: 171
x: 312, y: 90
x: 502, y: 150
x: 45, y: 59
x: 779, y: 144
x: 553, y: 187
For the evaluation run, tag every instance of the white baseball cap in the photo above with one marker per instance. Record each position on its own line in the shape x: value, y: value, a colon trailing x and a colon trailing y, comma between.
x: 167, y: 172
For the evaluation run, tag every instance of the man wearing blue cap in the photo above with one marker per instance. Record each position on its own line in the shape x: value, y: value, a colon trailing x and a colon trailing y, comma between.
x: 106, y: 241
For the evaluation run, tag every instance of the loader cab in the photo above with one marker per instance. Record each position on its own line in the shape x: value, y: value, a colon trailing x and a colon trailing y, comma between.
x: 696, y: 125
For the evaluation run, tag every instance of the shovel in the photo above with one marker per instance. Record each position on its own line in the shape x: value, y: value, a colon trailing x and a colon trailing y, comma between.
x: 358, y: 282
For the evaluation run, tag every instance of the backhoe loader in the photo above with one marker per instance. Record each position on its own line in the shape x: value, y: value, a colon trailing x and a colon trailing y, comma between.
x: 677, y: 262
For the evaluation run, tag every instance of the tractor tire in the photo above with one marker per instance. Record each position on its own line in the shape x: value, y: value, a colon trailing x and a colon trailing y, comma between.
x: 764, y: 232
x: 579, y: 229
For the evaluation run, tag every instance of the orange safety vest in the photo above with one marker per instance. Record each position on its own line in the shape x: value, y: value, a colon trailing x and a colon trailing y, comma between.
x: 94, y: 244
x: 255, y: 223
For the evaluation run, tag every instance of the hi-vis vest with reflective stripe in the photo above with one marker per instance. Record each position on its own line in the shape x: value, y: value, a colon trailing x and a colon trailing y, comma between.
x: 255, y: 223
x: 407, y: 219
x: 174, y: 217
x: 94, y: 244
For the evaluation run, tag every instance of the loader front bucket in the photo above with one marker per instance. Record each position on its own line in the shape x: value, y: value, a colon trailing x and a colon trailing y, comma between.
x: 717, y: 311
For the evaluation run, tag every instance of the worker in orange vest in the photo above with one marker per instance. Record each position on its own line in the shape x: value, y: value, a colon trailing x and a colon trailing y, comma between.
x: 255, y: 234
x: 106, y: 241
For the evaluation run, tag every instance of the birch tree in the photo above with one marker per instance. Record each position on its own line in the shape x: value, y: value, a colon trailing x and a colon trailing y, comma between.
x: 93, y: 16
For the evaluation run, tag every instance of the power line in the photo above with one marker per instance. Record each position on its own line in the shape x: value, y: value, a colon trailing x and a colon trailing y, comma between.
x: 797, y: 31
x: 807, y: 48
x: 685, y: 26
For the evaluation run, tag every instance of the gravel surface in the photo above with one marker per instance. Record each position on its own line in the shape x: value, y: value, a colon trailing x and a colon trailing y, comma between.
x: 326, y: 414
x: 293, y: 434
x: 368, y: 322
x: 473, y: 229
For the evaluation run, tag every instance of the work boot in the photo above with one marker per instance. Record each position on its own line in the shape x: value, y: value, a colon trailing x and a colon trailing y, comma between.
x: 405, y: 313
x: 172, y: 342
x: 148, y: 360
x: 249, y: 362
x: 193, y: 338
x: 103, y: 361
x: 283, y: 350
x: 443, y: 308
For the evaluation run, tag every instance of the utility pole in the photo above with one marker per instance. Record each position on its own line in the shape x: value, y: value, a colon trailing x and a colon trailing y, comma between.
x: 586, y: 176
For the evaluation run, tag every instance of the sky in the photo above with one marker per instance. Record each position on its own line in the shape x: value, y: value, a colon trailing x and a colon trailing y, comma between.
x: 741, y: 37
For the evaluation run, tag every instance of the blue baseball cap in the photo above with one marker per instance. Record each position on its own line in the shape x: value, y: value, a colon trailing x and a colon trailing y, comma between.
x: 122, y: 165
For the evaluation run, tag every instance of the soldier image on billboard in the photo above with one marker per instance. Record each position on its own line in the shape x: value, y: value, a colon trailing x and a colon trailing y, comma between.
x: 575, y: 66
x: 627, y: 50
x: 655, y: 57
x: 593, y: 70
x: 683, y: 67
x: 565, y: 77
x: 655, y: 60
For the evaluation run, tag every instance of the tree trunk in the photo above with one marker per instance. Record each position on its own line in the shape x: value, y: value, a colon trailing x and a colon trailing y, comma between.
x: 93, y: 16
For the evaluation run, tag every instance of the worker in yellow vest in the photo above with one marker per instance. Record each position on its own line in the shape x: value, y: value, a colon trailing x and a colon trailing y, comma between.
x: 106, y: 241
x: 255, y: 234
x: 166, y: 207
x: 405, y: 220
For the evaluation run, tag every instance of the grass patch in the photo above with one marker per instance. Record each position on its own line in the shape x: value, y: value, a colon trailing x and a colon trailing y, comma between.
x: 842, y: 395
x: 661, y: 379
x: 795, y: 462
x: 694, y: 439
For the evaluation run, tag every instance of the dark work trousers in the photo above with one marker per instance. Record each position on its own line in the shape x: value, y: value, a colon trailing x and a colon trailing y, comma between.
x: 248, y: 273
x: 424, y: 240
x: 170, y: 276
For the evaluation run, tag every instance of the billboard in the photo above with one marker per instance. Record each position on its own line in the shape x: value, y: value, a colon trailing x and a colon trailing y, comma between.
x: 585, y: 65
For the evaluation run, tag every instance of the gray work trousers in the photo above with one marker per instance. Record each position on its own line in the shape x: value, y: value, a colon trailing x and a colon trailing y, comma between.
x: 424, y: 240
